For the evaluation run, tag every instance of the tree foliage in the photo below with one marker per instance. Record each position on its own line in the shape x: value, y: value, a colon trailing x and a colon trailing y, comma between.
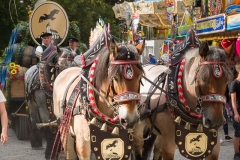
x: 84, y: 12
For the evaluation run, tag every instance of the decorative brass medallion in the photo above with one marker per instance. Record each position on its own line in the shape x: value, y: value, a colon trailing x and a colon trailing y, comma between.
x: 196, y: 144
x: 112, y: 148
x: 49, y: 17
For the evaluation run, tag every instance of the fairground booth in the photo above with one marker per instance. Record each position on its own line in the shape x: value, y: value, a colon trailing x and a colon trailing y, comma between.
x: 166, y: 22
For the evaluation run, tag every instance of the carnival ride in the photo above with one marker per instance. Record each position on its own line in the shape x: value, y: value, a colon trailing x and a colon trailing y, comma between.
x: 212, y: 21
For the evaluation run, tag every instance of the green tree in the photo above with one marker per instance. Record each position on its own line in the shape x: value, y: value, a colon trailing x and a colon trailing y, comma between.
x: 84, y: 12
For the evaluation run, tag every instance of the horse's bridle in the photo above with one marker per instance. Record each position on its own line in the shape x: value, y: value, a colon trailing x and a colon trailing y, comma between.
x: 128, y: 74
x: 217, y: 72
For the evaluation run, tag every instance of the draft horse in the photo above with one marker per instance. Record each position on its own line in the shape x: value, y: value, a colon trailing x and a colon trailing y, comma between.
x: 192, y: 97
x: 112, y: 98
x: 39, y: 97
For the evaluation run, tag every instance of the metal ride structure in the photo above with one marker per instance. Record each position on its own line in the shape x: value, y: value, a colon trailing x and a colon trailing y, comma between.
x: 159, y: 17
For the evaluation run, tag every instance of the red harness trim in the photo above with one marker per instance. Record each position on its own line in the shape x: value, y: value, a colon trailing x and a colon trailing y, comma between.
x: 180, y: 91
x: 91, y: 97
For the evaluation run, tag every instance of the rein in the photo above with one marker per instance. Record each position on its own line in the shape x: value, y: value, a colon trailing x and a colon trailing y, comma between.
x: 106, y: 101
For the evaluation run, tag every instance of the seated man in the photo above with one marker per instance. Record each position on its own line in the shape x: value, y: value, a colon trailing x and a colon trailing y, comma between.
x: 73, y: 42
x: 152, y: 59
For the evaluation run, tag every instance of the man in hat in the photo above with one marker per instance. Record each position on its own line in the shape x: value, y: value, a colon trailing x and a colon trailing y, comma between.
x: 73, y: 42
x: 46, y: 40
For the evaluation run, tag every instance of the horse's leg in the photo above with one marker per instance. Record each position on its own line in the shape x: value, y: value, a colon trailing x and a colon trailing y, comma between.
x: 158, y: 148
x: 148, y: 144
x: 168, y: 148
x: 215, y: 152
x: 139, y: 140
x: 49, y: 132
x: 70, y: 152
x: 166, y: 125
x: 82, y: 133
x: 36, y: 138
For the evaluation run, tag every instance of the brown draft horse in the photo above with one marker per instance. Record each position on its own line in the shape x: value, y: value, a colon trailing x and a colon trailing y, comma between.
x: 111, y: 80
x: 199, y: 66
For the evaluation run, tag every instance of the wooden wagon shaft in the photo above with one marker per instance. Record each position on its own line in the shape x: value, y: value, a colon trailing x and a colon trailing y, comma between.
x: 20, y: 115
x: 49, y: 124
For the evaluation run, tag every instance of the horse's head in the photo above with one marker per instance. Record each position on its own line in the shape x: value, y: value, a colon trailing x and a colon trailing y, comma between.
x: 118, y: 76
x: 65, y: 58
x: 212, y: 76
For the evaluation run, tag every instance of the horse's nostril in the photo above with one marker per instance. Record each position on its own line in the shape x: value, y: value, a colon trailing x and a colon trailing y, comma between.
x: 208, y: 121
x: 123, y: 122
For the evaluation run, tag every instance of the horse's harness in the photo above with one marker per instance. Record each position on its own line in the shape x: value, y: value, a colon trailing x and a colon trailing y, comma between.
x: 176, y: 103
x: 117, y: 98
x: 128, y: 74
x: 217, y: 72
x: 86, y: 91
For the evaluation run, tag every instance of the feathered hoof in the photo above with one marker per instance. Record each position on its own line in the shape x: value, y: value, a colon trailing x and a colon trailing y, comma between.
x: 37, y: 148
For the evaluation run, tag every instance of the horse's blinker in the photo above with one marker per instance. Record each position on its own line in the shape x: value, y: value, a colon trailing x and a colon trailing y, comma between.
x: 128, y: 71
x: 217, y: 71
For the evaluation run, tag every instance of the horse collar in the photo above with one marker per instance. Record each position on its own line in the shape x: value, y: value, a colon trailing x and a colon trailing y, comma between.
x: 93, y: 107
x: 178, y: 105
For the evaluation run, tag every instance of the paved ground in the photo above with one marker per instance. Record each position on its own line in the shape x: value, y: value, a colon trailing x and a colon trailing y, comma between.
x: 21, y: 150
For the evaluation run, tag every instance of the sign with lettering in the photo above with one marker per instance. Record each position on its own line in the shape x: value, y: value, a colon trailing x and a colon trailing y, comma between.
x: 182, y: 30
x: 49, y: 17
x: 233, y: 22
x: 188, y: 3
x: 211, y: 24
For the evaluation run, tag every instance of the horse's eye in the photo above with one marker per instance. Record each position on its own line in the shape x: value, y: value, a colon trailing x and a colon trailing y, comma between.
x: 115, y: 78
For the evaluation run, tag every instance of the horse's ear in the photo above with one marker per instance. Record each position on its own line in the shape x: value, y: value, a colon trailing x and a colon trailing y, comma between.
x: 58, y: 49
x: 204, y: 49
x: 140, y: 47
x: 113, y: 47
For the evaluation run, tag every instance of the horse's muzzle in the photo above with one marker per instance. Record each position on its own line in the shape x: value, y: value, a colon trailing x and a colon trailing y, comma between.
x: 128, y: 125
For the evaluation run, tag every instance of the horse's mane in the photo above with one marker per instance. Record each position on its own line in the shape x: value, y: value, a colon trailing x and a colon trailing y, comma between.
x: 102, y: 67
x: 68, y: 58
x: 66, y: 53
x: 215, y: 55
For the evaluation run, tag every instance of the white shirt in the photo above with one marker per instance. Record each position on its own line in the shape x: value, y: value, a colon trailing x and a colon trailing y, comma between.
x: 74, y: 51
x: 2, y: 98
x: 39, y: 48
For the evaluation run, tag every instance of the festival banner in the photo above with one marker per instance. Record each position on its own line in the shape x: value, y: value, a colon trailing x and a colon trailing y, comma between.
x: 233, y: 22
x: 182, y: 30
x: 211, y: 24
